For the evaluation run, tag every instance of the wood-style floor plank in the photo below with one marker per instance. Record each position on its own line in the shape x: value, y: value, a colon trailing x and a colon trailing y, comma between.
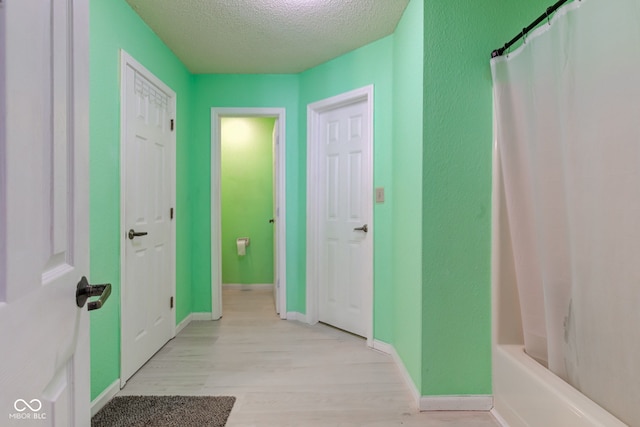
x: 286, y: 373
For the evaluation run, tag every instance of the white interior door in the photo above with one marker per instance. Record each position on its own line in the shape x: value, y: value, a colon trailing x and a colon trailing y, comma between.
x: 345, y: 208
x: 44, y: 212
x: 148, y: 321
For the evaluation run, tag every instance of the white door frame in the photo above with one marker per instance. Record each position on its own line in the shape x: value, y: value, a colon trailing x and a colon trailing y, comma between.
x: 127, y: 60
x: 314, y: 191
x: 280, y: 193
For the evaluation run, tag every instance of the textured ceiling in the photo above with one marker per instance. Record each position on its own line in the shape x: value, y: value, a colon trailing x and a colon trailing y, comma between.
x: 266, y: 36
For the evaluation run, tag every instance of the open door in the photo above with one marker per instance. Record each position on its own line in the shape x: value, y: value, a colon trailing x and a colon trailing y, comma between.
x: 44, y: 213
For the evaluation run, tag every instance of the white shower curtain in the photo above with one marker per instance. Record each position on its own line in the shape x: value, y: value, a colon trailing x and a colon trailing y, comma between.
x: 568, y: 134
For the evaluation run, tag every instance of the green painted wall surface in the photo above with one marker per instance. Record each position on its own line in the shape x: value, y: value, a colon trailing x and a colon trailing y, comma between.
x: 369, y: 65
x: 408, y: 50
x: 433, y: 303
x: 247, y: 198
x: 114, y: 26
x: 222, y: 90
x: 456, y: 225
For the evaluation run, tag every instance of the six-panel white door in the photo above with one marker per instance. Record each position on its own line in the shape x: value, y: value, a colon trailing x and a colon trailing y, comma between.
x: 345, y: 259
x: 147, y: 316
x: 44, y: 212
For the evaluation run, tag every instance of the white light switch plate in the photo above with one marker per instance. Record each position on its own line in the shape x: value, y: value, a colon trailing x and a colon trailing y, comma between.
x: 380, y: 195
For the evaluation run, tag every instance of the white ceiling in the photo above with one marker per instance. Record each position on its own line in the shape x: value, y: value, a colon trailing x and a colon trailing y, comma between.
x: 266, y: 36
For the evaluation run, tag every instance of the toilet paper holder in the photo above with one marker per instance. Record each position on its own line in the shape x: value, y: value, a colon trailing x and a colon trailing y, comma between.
x: 242, y: 243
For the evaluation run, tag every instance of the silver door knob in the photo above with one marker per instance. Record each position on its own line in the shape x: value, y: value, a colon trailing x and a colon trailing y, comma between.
x: 363, y: 228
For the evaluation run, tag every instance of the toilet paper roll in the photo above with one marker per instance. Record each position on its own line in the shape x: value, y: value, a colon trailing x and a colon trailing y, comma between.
x: 242, y: 247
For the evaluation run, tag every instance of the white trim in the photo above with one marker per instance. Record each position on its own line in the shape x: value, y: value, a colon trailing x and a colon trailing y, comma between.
x: 248, y: 287
x: 192, y: 317
x: 435, y: 403
x: 499, y: 418
x: 280, y: 191
x: 104, y: 397
x: 127, y: 60
x: 456, y: 403
x: 201, y: 317
x: 383, y: 347
x: 184, y: 323
x: 314, y: 111
x: 3, y: 157
x: 406, y: 377
x: 297, y: 316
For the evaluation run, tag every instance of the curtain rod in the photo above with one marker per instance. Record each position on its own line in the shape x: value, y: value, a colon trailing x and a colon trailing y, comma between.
x: 546, y: 15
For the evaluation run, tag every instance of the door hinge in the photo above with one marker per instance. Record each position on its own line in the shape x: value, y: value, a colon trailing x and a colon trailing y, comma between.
x: 171, y: 213
x: 171, y: 303
x: 172, y: 124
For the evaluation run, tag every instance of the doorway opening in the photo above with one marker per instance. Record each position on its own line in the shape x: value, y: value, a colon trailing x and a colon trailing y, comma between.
x: 248, y: 220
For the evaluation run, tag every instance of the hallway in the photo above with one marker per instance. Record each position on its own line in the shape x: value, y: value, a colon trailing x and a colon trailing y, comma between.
x: 286, y: 373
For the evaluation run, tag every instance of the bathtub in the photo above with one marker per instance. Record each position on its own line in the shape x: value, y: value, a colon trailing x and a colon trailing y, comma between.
x: 525, y: 392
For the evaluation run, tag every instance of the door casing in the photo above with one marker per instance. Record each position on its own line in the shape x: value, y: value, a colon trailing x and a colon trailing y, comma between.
x: 314, y: 192
x: 127, y: 60
x: 280, y: 194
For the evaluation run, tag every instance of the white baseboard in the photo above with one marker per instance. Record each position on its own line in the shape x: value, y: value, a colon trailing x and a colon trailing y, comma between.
x: 405, y: 375
x: 456, y: 403
x: 192, y: 317
x: 294, y: 315
x: 200, y: 317
x: 104, y: 397
x: 382, y: 347
x: 248, y: 287
x: 435, y: 403
x: 183, y: 324
x: 499, y: 418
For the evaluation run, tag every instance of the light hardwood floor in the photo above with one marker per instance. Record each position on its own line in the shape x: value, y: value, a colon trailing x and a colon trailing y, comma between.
x: 286, y: 373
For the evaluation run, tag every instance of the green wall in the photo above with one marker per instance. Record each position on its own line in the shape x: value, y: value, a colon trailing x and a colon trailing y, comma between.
x: 456, y: 205
x: 369, y: 65
x: 250, y: 90
x: 247, y: 198
x: 406, y: 232
x: 432, y: 153
x: 115, y: 26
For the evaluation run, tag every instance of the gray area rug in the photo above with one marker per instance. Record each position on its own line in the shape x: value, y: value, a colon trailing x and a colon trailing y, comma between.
x: 165, y: 411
